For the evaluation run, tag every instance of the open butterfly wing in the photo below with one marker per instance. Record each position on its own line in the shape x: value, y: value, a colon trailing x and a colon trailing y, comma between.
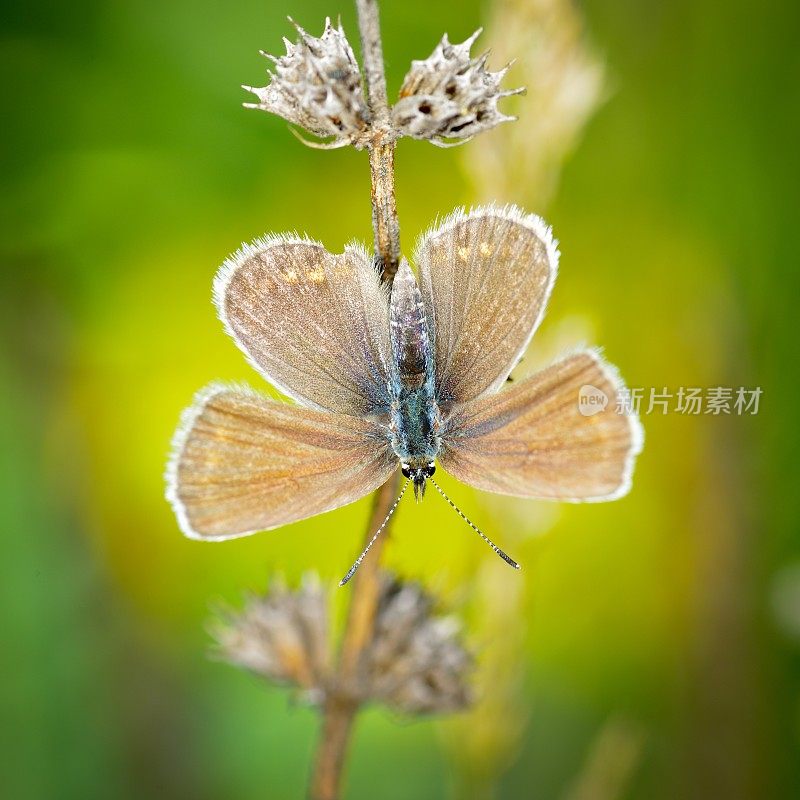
x: 242, y: 463
x: 315, y: 325
x: 485, y: 279
x: 531, y: 440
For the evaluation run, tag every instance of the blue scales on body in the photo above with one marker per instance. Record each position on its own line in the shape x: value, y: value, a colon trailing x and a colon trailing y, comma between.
x: 415, y: 416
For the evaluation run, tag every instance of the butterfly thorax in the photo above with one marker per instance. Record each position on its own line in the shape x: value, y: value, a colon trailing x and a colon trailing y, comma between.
x: 415, y: 418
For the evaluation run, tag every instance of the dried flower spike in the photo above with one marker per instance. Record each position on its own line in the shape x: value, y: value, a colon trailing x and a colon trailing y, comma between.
x: 416, y: 663
x: 282, y: 636
x: 450, y: 95
x: 317, y: 85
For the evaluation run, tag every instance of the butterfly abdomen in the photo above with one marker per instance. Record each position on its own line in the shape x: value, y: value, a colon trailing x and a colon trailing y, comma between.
x: 415, y: 416
x: 411, y: 349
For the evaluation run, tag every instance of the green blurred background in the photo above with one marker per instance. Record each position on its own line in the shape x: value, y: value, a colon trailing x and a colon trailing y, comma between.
x: 658, y: 636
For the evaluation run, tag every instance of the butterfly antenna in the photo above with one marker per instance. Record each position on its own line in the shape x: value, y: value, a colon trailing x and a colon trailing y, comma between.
x: 474, y: 527
x: 352, y: 570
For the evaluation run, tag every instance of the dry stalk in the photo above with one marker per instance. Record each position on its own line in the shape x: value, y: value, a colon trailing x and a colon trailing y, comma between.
x: 341, y: 704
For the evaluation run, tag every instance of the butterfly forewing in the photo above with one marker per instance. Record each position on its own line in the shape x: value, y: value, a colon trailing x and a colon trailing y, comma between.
x: 532, y: 440
x: 243, y: 463
x: 485, y: 279
x: 314, y: 324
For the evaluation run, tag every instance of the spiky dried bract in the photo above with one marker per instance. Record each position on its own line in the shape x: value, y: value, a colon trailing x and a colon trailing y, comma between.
x: 416, y: 663
x: 450, y: 95
x: 282, y: 636
x: 317, y: 85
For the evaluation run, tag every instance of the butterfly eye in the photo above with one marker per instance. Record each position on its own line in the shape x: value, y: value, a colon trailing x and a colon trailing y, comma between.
x: 430, y: 470
x: 406, y: 470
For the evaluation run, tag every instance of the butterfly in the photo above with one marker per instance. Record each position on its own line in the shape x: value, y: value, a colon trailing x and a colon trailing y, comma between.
x: 403, y: 376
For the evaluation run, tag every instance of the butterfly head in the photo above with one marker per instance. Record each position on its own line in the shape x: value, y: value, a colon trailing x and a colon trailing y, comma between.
x: 418, y: 474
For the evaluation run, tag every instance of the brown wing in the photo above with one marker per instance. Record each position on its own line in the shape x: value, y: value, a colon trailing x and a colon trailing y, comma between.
x: 242, y: 463
x: 485, y: 279
x: 533, y: 441
x: 315, y: 325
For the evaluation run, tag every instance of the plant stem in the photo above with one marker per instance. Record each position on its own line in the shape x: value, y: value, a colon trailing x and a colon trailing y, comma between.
x: 337, y: 724
x: 369, y: 27
x: 343, y: 698
x: 385, y: 226
x: 384, y: 208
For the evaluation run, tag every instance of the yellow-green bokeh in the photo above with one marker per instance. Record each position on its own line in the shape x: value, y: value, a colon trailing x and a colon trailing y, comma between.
x: 130, y: 171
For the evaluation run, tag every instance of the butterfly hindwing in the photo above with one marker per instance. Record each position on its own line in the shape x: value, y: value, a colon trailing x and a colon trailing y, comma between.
x: 531, y: 440
x: 242, y: 463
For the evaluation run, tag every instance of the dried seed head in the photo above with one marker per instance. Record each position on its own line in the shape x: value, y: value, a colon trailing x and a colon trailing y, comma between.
x: 282, y: 636
x: 317, y: 85
x: 416, y: 663
x: 450, y: 95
